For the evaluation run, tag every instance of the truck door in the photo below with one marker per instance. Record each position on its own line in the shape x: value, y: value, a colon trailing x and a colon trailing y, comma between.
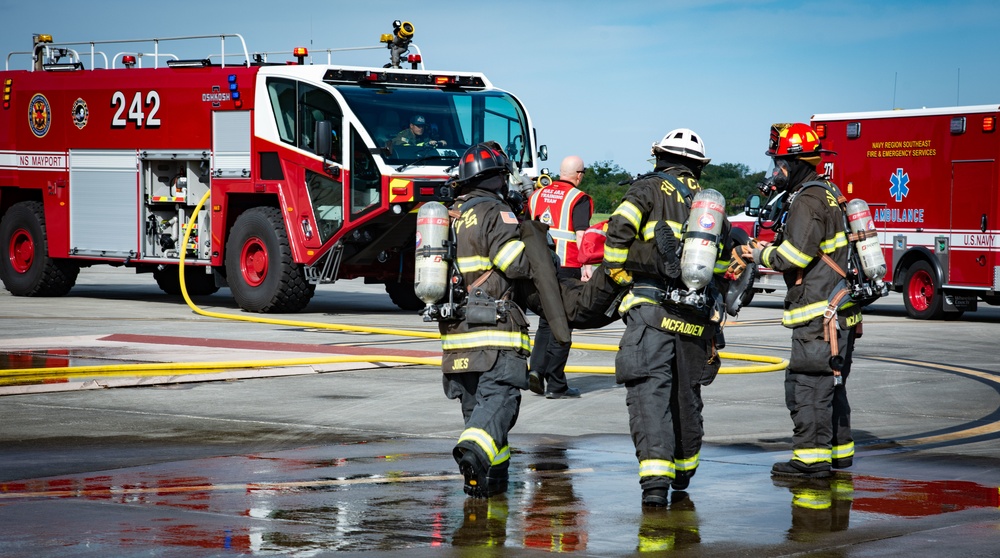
x: 298, y: 106
x: 973, y: 224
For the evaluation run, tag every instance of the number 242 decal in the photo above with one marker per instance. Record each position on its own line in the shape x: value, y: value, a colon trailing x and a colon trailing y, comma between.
x: 136, y: 112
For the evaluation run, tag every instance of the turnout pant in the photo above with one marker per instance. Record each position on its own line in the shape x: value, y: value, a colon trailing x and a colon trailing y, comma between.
x: 548, y: 356
x: 820, y: 411
x: 662, y: 372
x: 491, y: 402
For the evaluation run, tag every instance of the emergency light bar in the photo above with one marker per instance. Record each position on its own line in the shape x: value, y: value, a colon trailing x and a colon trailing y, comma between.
x: 398, y: 78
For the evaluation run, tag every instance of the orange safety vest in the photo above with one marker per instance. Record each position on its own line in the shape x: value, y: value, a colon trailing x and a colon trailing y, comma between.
x: 553, y: 205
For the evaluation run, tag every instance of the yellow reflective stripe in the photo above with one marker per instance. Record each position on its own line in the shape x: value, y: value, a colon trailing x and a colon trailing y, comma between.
x: 656, y: 468
x: 481, y: 439
x: 812, y: 456
x: 649, y: 232
x: 502, y: 455
x: 630, y: 300
x: 630, y: 212
x: 812, y: 499
x: 839, y: 240
x: 508, y: 253
x: 614, y: 255
x: 842, y: 489
x: 721, y: 266
x: 471, y: 264
x: 792, y: 254
x: 689, y: 464
x: 485, y: 338
x: 840, y: 452
x: 803, y: 314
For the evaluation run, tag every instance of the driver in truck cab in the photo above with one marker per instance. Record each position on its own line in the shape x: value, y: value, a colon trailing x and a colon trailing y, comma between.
x: 416, y: 134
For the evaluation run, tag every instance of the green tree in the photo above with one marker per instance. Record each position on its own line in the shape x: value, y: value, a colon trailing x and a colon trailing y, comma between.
x: 732, y: 180
x: 603, y: 183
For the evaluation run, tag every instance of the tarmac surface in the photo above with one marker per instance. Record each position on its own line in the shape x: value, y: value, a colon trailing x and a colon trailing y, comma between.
x: 285, y: 449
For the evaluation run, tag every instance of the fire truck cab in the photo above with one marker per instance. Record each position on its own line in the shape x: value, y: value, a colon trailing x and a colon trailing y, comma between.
x: 930, y: 177
x: 309, y: 172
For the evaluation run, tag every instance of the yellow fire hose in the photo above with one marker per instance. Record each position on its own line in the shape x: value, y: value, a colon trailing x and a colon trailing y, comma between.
x: 38, y: 375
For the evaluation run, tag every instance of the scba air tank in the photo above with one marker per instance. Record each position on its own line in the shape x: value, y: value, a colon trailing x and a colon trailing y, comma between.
x: 859, y: 219
x: 431, y: 268
x: 701, y: 239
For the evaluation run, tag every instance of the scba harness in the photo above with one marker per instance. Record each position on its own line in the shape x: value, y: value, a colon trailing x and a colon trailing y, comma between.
x: 854, y: 284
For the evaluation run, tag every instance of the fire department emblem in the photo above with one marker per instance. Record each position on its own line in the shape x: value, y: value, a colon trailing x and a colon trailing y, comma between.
x: 80, y: 113
x: 39, y: 115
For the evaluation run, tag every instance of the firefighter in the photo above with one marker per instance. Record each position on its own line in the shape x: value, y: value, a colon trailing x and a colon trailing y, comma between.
x: 666, y: 345
x: 485, y: 353
x: 808, y: 250
x: 567, y: 211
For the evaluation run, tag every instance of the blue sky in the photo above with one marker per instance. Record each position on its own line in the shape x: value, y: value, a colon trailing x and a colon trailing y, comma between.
x: 604, y: 80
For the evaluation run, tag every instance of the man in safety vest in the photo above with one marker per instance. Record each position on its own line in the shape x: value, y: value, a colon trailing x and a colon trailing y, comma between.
x: 567, y: 211
x: 668, y: 349
x: 805, y: 250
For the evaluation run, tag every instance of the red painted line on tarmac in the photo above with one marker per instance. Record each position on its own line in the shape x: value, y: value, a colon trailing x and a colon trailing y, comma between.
x: 262, y: 346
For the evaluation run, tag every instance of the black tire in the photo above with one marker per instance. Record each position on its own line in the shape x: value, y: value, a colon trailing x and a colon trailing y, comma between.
x: 922, y: 294
x: 197, y: 282
x: 25, y: 266
x: 259, y: 267
x: 402, y: 295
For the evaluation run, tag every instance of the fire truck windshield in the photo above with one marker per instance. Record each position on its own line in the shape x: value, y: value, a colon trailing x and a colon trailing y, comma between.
x: 435, y: 126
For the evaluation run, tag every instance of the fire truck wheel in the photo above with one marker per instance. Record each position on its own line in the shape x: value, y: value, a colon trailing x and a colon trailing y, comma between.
x: 402, y: 295
x: 921, y: 293
x: 197, y: 282
x: 260, y: 270
x: 25, y: 266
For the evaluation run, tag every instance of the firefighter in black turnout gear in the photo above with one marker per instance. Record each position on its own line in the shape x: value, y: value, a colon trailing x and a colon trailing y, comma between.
x: 667, y: 352
x: 485, y: 353
x: 809, y: 249
x: 500, y: 266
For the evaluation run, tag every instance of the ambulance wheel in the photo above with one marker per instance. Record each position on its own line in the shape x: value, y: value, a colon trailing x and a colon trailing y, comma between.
x: 402, y: 295
x: 25, y: 266
x: 259, y: 267
x: 922, y: 293
x: 197, y: 282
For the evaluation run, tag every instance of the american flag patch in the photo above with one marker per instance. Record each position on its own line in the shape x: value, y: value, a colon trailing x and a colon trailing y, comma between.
x: 508, y: 217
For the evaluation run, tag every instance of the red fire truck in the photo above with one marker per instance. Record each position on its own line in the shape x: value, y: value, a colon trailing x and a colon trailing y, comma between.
x: 930, y: 178
x: 310, y: 180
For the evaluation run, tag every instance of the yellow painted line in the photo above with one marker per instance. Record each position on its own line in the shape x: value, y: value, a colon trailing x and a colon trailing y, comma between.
x: 991, y: 428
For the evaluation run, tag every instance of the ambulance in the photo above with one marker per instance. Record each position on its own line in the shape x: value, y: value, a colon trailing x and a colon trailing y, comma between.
x: 305, y: 173
x: 930, y: 177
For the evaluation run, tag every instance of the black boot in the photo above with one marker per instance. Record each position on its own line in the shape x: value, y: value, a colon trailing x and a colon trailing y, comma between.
x: 795, y: 469
x: 654, y: 497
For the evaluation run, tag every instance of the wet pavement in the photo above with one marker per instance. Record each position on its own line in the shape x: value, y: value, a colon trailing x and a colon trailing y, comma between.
x: 312, y: 460
x: 404, y: 495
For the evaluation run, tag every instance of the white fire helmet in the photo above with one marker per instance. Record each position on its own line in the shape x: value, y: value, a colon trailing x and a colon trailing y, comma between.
x: 682, y: 142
